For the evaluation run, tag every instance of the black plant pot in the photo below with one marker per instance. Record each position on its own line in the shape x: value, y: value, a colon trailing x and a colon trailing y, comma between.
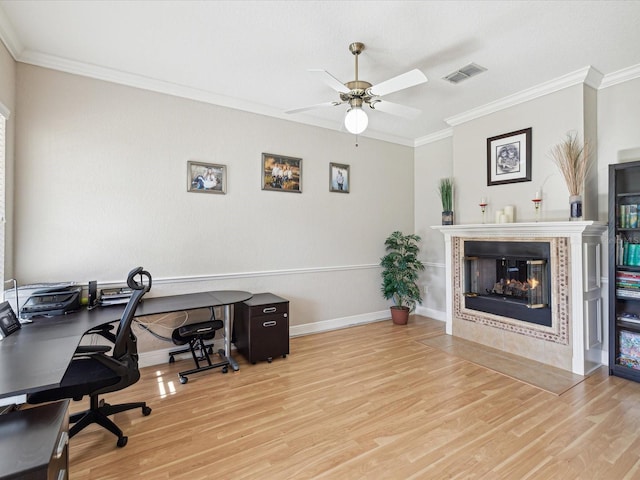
x: 447, y: 217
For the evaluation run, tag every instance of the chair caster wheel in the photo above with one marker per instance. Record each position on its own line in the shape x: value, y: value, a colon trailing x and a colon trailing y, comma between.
x: 270, y: 359
x: 146, y: 411
x: 183, y: 380
x: 172, y: 359
x: 122, y: 441
x: 225, y: 369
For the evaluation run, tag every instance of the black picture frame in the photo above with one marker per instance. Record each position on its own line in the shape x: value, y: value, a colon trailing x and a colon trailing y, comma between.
x: 509, y: 158
x: 9, y: 323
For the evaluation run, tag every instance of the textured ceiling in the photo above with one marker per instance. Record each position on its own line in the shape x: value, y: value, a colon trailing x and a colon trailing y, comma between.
x: 254, y: 55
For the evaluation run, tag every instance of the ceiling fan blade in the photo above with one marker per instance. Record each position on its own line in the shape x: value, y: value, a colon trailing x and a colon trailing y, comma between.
x: 396, y: 109
x: 330, y: 80
x: 312, y: 107
x: 406, y: 80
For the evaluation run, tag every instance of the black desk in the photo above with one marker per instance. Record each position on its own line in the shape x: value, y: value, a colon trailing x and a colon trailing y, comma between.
x: 36, y: 356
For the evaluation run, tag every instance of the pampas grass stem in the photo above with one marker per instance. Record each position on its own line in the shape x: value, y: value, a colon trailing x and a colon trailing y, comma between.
x: 573, y: 161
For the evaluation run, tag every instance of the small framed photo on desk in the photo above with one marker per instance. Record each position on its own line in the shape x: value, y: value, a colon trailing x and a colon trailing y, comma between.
x: 8, y: 321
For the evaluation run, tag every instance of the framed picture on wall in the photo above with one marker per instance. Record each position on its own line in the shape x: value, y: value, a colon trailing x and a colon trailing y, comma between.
x: 206, y: 177
x: 281, y: 174
x: 339, y: 178
x: 509, y: 158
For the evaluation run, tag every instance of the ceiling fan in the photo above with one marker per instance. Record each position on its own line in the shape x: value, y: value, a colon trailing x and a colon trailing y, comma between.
x: 358, y: 93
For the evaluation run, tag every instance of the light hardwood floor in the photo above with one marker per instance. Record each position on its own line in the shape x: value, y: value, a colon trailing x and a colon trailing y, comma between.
x: 366, y: 402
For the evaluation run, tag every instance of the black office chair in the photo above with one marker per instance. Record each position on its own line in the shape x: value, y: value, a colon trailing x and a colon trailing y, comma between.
x: 195, y: 335
x: 92, y: 372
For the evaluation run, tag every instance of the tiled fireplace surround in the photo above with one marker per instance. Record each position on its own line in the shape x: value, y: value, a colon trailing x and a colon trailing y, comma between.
x: 574, y: 341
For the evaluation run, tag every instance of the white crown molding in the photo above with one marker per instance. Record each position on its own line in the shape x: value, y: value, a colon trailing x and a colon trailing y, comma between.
x: 138, y: 81
x: 9, y: 37
x: 146, y: 83
x: 621, y: 76
x: 433, y: 137
x: 587, y: 75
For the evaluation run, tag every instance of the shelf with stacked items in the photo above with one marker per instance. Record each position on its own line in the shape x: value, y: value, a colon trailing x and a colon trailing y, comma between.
x: 624, y: 270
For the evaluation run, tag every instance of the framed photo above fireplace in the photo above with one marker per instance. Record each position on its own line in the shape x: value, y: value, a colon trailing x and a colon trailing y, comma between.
x: 509, y: 158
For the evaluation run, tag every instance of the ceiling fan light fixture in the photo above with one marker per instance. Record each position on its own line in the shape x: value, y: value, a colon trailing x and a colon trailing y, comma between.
x: 356, y: 120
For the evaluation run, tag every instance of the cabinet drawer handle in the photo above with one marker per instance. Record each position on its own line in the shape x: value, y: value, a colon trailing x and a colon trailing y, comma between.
x: 272, y: 323
x: 62, y: 474
x: 62, y: 442
x: 269, y: 310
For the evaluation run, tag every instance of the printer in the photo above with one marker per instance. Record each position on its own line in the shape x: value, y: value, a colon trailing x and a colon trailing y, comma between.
x: 50, y: 302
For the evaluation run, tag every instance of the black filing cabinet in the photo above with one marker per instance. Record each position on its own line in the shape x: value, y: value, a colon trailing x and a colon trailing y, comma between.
x: 34, y: 443
x: 261, y: 327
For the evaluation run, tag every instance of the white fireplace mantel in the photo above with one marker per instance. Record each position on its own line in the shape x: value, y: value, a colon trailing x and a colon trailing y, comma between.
x: 585, y: 240
x: 532, y: 229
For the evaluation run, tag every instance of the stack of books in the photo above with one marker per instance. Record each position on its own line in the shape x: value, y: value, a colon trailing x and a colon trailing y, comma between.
x: 628, y: 284
x: 628, y: 216
x: 627, y: 253
x: 114, y: 296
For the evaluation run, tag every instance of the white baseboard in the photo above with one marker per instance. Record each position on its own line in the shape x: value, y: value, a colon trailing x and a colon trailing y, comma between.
x: 338, y: 323
x: 431, y: 313
x: 157, y: 357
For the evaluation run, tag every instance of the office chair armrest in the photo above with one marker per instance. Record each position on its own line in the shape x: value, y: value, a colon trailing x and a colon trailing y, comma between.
x: 91, y: 349
x: 104, y: 331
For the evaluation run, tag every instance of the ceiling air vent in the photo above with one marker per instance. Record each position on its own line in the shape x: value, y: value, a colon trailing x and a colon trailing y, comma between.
x: 465, y: 72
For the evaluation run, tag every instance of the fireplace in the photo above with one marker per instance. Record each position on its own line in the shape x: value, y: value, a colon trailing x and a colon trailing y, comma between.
x: 510, y: 279
x: 504, y: 266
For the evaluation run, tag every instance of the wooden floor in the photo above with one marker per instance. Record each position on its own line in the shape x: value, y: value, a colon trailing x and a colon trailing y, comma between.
x: 366, y: 402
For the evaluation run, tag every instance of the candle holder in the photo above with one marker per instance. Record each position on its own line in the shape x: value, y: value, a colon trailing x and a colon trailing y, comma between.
x: 536, y: 204
x: 483, y: 207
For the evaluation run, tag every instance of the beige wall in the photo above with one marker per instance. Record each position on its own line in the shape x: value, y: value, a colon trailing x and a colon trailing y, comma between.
x: 550, y: 118
x: 101, y: 187
x: 433, y: 161
x: 618, y: 132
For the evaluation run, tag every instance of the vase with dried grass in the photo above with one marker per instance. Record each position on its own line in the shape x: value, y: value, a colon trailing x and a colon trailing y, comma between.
x: 572, y: 158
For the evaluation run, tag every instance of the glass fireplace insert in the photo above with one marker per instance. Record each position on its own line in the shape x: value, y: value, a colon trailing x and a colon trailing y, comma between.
x: 510, y: 279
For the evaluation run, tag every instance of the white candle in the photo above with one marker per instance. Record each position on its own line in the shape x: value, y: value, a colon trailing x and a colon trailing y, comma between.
x: 509, y: 212
x: 503, y: 218
x: 537, y: 196
x: 483, y: 201
x: 499, y: 213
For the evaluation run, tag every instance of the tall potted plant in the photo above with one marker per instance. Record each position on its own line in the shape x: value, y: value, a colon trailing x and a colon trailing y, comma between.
x: 400, y: 274
x: 445, y: 190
